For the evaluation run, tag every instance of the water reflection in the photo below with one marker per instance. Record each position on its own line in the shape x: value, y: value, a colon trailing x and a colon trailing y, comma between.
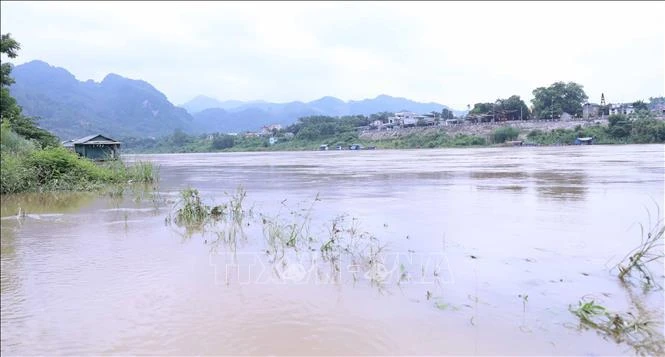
x: 562, y: 185
x: 50, y: 202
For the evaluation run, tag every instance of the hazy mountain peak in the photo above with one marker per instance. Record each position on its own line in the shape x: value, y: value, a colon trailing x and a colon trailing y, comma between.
x: 118, y: 106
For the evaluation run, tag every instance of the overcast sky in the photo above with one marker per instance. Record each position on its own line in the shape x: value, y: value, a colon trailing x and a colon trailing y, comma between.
x: 451, y: 53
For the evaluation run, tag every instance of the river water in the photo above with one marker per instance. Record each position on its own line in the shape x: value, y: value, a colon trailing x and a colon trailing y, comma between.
x: 484, y: 251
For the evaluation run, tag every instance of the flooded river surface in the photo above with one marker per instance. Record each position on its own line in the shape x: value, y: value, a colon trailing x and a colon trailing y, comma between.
x: 483, y: 252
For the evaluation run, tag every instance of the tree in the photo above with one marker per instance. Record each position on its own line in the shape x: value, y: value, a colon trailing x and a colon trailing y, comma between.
x: 447, y: 114
x: 640, y: 105
x: 9, y: 47
x: 220, y: 142
x: 10, y: 111
x: 619, y: 126
x: 514, y: 108
x: 558, y: 98
x: 482, y: 108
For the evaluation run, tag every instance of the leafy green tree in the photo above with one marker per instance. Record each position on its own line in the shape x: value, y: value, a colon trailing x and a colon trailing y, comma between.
x: 482, y: 108
x: 447, y: 114
x: 619, y: 126
x: 640, y: 105
x: 500, y: 135
x: 514, y: 108
x: 180, y: 138
x: 10, y: 48
x: 220, y: 142
x: 10, y: 111
x: 558, y: 98
x: 648, y: 130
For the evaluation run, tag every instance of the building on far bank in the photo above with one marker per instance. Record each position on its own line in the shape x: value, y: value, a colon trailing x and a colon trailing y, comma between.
x: 590, y: 110
x: 625, y: 109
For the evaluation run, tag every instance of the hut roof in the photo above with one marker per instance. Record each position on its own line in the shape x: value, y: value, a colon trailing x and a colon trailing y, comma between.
x: 91, y: 140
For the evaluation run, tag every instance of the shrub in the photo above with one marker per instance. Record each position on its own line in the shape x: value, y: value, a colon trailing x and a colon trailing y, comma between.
x: 14, y: 175
x: 506, y: 133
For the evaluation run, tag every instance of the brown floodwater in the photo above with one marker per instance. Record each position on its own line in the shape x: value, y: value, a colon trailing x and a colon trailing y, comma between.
x: 467, y: 233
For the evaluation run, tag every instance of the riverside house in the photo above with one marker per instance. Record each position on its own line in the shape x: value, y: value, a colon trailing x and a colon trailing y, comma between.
x: 95, y: 147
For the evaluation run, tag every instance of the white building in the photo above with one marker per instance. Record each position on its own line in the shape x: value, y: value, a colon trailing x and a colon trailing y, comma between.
x: 403, y: 118
x: 625, y: 109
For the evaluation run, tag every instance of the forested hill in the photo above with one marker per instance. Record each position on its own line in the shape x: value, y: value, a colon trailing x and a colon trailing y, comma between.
x: 117, y: 106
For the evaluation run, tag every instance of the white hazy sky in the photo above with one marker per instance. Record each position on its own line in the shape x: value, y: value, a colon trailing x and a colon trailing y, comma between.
x: 454, y: 53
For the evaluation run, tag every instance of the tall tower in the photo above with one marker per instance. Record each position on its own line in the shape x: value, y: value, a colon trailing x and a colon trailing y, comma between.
x: 602, y: 105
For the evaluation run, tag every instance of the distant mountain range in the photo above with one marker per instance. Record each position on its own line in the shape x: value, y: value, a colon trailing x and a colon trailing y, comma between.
x: 214, y: 115
x: 117, y: 106
x: 120, y: 107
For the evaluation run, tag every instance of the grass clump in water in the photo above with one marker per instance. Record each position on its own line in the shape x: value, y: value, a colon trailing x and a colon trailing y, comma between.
x: 650, y: 250
x: 636, y: 330
x: 194, y: 214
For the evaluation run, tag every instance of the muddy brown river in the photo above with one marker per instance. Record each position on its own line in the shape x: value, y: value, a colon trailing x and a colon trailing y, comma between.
x: 482, y: 252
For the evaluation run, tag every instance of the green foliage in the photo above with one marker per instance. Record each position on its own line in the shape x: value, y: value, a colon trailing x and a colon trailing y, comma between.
x: 637, y: 329
x: 15, y: 176
x: 10, y: 111
x: 447, y: 114
x: 500, y: 135
x: 558, y: 98
x: 640, y: 105
x: 192, y: 211
x: 588, y: 310
x: 193, y: 214
x: 512, y: 108
x: 221, y: 142
x: 482, y: 108
x: 12, y: 143
x: 60, y: 165
x: 649, y: 251
x: 9, y: 47
x: 24, y: 167
x: 648, y: 130
x: 620, y: 126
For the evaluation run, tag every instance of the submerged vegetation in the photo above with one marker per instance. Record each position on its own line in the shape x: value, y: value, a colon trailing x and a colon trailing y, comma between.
x: 636, y: 327
x: 650, y: 250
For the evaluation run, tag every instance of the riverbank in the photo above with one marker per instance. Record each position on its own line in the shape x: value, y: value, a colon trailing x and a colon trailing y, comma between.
x: 312, y: 135
x: 25, y: 167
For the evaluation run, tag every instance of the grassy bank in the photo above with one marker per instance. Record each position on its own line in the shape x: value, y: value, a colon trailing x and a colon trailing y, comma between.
x: 25, y: 167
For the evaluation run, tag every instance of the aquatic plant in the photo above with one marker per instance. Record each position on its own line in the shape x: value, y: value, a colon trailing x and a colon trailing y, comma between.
x: 638, y: 331
x: 649, y: 250
x: 192, y: 211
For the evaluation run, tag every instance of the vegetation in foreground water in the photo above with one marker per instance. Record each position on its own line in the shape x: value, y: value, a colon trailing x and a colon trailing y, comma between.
x: 638, y: 327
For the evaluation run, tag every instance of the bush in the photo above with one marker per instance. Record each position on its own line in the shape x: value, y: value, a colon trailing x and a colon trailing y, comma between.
x: 534, y: 134
x: 14, y: 175
x: 62, y: 165
x: 221, y: 142
x: 506, y: 133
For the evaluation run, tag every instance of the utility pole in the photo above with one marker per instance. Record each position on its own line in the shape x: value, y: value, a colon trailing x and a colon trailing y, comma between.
x: 552, y: 107
x: 521, y: 113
